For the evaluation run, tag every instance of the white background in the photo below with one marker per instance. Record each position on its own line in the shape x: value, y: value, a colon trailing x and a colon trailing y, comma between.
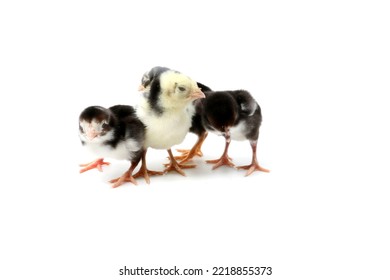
x: 320, y: 72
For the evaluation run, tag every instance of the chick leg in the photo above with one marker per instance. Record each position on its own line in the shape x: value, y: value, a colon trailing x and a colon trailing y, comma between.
x: 224, y: 159
x: 94, y: 164
x: 254, y: 166
x: 187, y: 155
x: 126, y: 177
x: 144, y: 172
x: 173, y: 165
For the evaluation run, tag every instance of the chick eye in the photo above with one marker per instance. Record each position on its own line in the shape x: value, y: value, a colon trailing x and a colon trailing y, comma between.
x: 105, y: 126
x: 181, y: 88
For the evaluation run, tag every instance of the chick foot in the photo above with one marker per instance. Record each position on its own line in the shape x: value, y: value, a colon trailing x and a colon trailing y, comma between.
x: 254, y: 166
x: 126, y: 177
x: 187, y: 155
x: 94, y: 164
x: 173, y: 165
x: 224, y: 160
x: 144, y: 172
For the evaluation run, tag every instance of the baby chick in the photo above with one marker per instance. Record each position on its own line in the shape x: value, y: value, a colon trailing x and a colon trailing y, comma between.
x: 115, y: 132
x: 166, y: 110
x: 196, y: 121
x: 235, y: 115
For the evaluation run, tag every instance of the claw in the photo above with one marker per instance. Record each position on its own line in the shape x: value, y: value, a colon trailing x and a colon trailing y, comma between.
x: 254, y: 166
x: 144, y: 172
x: 224, y: 160
x: 187, y: 155
x: 126, y: 177
x: 94, y: 164
x: 173, y: 165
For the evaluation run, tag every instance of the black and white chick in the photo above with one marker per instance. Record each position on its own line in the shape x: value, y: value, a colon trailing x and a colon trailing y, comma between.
x: 237, y: 116
x: 196, y: 111
x: 116, y: 133
x: 166, y: 108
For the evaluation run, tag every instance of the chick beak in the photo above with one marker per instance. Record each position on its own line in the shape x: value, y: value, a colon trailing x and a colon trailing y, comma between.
x: 91, y: 134
x: 227, y: 131
x: 197, y: 94
x: 141, y: 88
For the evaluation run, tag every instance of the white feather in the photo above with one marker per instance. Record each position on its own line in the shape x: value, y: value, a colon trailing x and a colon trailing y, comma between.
x: 122, y: 151
x: 238, y: 132
x: 250, y: 106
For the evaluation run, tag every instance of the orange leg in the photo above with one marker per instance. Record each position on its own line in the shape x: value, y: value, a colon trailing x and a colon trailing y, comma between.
x: 187, y: 155
x: 173, y: 165
x: 254, y: 166
x: 144, y: 172
x: 224, y: 159
x: 94, y: 164
x: 126, y: 177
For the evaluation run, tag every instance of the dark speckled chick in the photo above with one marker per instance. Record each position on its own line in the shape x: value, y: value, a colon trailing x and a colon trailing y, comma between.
x: 235, y: 115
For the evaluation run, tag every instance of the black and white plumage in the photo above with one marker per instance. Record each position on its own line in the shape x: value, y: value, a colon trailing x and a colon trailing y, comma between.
x: 166, y: 108
x: 237, y: 116
x: 116, y: 133
x: 150, y: 75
